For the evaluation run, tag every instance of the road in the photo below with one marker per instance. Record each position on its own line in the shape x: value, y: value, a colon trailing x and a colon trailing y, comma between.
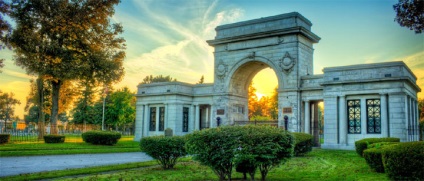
x: 31, y: 164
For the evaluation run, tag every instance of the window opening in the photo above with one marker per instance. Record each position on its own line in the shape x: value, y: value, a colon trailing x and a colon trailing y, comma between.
x: 354, y: 117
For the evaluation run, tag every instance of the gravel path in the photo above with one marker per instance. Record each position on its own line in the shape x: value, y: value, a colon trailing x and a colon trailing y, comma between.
x: 31, y: 164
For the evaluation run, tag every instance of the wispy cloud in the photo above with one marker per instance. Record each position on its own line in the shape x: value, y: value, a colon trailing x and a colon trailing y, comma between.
x: 180, y: 34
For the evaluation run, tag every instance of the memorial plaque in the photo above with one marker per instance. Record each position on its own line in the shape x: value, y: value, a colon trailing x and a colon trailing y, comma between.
x: 220, y: 112
x: 287, y: 110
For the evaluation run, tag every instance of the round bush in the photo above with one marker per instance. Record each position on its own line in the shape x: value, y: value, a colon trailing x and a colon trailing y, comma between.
x: 303, y: 143
x: 4, y: 138
x: 404, y: 161
x: 221, y: 148
x: 165, y: 149
x: 362, y: 145
x: 101, y: 137
x: 373, y: 155
x: 54, y: 138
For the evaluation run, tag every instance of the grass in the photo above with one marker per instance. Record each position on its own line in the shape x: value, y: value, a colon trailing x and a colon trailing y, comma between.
x: 72, y: 145
x: 317, y: 165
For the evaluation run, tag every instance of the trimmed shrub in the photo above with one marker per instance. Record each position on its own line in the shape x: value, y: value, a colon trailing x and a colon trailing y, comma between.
x: 373, y: 155
x: 246, y: 147
x: 4, y: 138
x: 362, y: 145
x: 404, y: 161
x: 52, y: 138
x: 165, y: 149
x: 303, y: 143
x: 101, y: 137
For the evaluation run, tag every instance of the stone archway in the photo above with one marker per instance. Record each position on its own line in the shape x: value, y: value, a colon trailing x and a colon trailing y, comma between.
x: 283, y: 43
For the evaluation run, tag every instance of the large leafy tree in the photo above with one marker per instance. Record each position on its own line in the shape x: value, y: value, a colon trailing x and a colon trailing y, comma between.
x: 5, y: 28
x: 63, y: 40
x: 121, y: 108
x: 410, y: 14
x: 7, y: 106
x: 84, y: 111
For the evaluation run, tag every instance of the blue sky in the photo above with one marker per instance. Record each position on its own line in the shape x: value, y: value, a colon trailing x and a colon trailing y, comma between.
x: 168, y: 37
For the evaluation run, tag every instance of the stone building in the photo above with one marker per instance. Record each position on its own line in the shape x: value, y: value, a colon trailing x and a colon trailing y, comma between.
x: 360, y: 101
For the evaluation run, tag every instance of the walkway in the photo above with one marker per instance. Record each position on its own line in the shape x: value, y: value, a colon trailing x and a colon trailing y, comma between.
x: 31, y: 164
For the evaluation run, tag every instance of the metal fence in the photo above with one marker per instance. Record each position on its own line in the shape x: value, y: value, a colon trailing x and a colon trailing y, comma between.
x: 73, y: 131
x: 254, y: 122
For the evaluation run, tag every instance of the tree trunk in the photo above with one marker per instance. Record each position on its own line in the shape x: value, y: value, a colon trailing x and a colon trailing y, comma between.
x: 40, y: 102
x: 55, y: 105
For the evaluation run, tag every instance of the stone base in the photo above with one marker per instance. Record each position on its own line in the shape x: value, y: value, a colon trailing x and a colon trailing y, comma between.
x: 337, y: 147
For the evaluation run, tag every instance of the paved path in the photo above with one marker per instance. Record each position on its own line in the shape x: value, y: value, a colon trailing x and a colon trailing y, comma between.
x: 31, y: 164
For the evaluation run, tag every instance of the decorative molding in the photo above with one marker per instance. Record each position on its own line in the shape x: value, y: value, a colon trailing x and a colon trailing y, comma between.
x: 287, y: 63
x: 221, y: 70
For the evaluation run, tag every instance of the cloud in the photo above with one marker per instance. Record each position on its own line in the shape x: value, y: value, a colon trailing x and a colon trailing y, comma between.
x: 178, y: 35
x: 416, y: 63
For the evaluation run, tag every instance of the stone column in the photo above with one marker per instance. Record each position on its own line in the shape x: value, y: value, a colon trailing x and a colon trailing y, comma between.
x: 342, y: 121
x: 139, y: 122
x: 307, y: 117
x: 146, y: 120
x: 207, y: 118
x: 417, y: 117
x: 384, y: 116
x: 196, y: 118
x: 166, y: 116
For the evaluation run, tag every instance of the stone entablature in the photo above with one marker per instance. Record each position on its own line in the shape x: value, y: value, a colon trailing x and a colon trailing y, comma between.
x: 312, y: 82
x: 386, y: 71
x: 169, y: 88
x: 264, y: 25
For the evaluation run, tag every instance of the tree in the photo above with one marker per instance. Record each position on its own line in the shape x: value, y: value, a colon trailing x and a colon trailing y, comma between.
x: 410, y: 14
x: 160, y: 78
x: 121, y: 108
x: 252, y: 101
x: 202, y: 79
x: 7, y: 106
x: 5, y: 28
x: 274, y: 104
x: 84, y: 110
x: 67, y: 40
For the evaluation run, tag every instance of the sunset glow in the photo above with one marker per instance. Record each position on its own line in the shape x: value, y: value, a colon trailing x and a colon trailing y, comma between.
x: 169, y: 38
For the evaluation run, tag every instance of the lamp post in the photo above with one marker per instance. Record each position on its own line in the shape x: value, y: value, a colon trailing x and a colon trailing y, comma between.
x: 103, y: 115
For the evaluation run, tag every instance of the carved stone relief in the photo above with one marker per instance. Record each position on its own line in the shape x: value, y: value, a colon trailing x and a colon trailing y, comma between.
x: 221, y: 70
x: 287, y: 63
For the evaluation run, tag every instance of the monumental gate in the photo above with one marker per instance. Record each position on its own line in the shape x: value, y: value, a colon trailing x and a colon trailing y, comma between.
x: 360, y: 101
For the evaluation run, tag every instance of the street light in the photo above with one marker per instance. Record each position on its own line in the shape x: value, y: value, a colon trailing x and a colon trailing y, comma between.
x: 103, y: 116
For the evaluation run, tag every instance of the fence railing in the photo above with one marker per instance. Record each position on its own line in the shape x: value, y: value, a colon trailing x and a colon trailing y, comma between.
x: 271, y: 123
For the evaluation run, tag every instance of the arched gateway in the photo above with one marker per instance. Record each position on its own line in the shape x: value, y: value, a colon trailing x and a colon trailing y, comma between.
x: 369, y: 100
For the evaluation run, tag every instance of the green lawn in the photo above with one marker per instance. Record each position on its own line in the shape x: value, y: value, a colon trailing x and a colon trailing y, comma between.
x: 72, y: 145
x: 317, y: 165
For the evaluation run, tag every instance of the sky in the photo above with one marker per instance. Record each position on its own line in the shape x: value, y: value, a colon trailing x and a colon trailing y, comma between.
x: 168, y: 37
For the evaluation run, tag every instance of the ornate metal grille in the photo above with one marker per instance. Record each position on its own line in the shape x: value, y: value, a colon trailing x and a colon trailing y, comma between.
x: 152, y: 126
x: 185, y: 119
x: 373, y: 116
x: 354, y: 116
x: 161, y: 118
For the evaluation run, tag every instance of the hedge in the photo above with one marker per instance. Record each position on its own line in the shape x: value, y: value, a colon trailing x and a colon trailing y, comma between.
x: 248, y: 148
x: 4, y: 138
x: 373, y: 155
x: 303, y: 143
x: 54, y: 138
x: 404, y: 161
x: 165, y: 149
x: 362, y: 145
x: 101, y: 137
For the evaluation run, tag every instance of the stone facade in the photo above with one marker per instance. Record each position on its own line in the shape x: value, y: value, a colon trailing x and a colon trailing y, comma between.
x: 356, y: 98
